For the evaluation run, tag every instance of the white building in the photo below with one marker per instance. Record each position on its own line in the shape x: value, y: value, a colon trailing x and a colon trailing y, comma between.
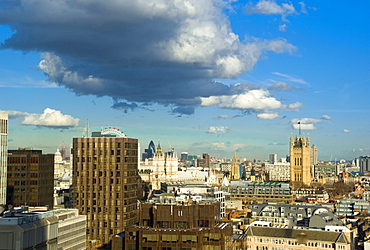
x: 161, y: 168
x: 71, y: 229
x: 278, y: 171
x: 314, y: 157
x: 273, y: 158
x: 3, y: 156
x: 39, y: 228
x: 60, y: 166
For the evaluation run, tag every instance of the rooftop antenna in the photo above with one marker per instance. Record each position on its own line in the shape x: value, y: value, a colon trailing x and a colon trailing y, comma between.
x: 299, y: 128
x: 88, y: 128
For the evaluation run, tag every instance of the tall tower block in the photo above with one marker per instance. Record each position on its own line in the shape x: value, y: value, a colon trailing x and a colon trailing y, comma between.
x: 105, y: 183
x: 300, y: 174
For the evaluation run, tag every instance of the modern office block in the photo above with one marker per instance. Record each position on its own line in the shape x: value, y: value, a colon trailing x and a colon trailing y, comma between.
x: 105, y: 183
x: 36, y: 230
x: 30, y: 178
x: 177, y: 226
x: 71, y: 229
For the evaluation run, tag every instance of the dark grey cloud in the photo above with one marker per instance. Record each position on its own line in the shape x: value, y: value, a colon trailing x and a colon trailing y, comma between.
x: 167, y: 52
x: 125, y: 106
x: 183, y: 110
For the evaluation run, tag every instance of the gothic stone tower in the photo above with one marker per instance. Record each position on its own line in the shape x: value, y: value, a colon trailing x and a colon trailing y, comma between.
x: 300, y: 174
x: 235, y: 173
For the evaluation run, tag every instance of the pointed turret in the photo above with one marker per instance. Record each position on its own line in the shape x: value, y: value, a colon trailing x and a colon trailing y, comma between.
x: 235, y: 171
x: 159, y: 149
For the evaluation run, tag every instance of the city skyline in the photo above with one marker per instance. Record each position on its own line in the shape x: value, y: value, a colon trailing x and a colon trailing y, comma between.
x: 200, y: 76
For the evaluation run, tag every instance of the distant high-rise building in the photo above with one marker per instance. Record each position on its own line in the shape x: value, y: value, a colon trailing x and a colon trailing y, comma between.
x: 314, y: 159
x: 364, y: 163
x: 30, y: 178
x: 204, y: 161
x: 149, y: 152
x: 105, y: 183
x: 273, y: 158
x: 3, y: 156
x: 300, y: 168
x: 184, y: 156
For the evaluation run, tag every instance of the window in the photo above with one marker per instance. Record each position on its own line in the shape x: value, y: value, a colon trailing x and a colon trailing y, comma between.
x: 150, y: 238
x: 189, y: 238
x: 169, y: 238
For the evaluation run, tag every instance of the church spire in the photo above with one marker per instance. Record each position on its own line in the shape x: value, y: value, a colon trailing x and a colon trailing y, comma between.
x: 235, y: 171
x: 159, y: 149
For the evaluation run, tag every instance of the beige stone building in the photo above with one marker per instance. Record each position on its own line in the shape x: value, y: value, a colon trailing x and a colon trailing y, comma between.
x: 300, y: 167
x: 270, y: 238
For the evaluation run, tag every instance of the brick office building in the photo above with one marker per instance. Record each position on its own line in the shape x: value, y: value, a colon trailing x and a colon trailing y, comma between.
x: 105, y: 183
x: 30, y: 178
x: 177, y: 226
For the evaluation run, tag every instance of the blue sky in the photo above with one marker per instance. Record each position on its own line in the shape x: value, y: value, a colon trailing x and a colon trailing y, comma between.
x: 201, y: 76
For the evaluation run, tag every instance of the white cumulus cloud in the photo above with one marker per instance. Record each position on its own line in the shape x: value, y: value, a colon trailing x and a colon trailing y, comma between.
x: 282, y: 27
x: 305, y: 123
x: 220, y: 130
x: 254, y: 100
x: 293, y: 107
x: 270, y: 7
x: 326, y: 117
x: 50, y: 118
x: 268, y: 116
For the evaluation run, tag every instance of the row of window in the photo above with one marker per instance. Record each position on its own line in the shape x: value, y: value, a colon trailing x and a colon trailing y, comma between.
x: 116, y: 188
x: 105, y: 166
x: 12, y: 160
x: 106, y: 145
x: 291, y: 242
x: 96, y: 159
x: 107, y: 202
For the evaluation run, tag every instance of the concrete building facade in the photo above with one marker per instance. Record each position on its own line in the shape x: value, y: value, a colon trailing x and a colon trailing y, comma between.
x: 71, y: 229
x: 3, y: 156
x: 40, y: 228
x: 260, y: 192
x: 314, y: 158
x: 364, y: 163
x: 278, y: 172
